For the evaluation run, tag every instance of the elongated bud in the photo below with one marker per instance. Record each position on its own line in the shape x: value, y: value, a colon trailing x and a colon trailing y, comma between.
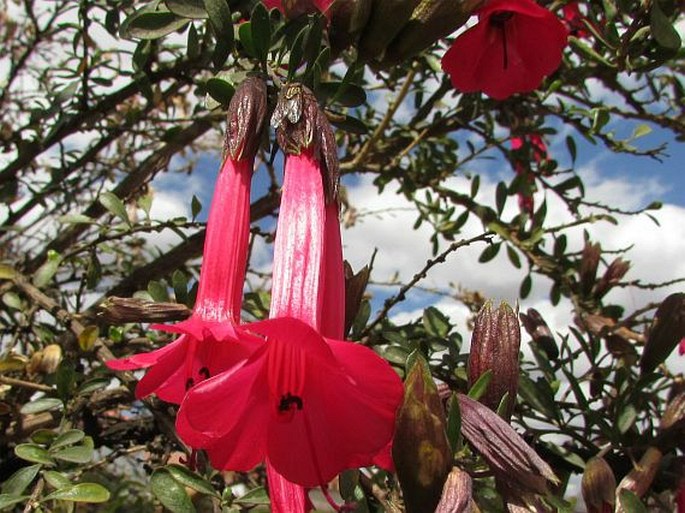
x: 355, y: 285
x: 386, y: 21
x: 348, y: 18
x: 513, y: 462
x: 538, y: 329
x: 598, y: 486
x: 430, y: 21
x: 421, y: 451
x: 246, y: 115
x: 495, y: 347
x: 120, y: 310
x: 457, y: 493
x: 300, y: 123
x: 614, y: 273
x: 640, y: 478
x: 668, y: 328
x: 588, y: 266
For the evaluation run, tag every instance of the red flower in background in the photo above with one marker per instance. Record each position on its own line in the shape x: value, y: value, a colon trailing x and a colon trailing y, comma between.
x: 295, y: 8
x: 573, y: 19
x: 515, y: 44
x: 526, y: 149
x: 681, y: 347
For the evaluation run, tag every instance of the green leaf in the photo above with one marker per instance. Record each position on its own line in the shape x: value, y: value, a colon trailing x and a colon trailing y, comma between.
x: 76, y: 219
x: 260, y: 31
x: 194, y: 9
x: 436, y: 323
x: 7, y: 500
x: 151, y: 25
x: 571, y: 146
x: 42, y: 404
x: 663, y: 30
x: 220, y: 90
x: 45, y: 272
x: 630, y: 502
x: 453, y: 427
x: 489, y: 253
x: 6, y: 272
x: 78, y: 454
x: 254, y: 497
x: 82, y: 492
x: 526, y: 285
x: 33, y: 453
x: 158, y: 291
x: 56, y: 479
x: 195, y: 205
x: 513, y: 257
x: 20, y: 480
x: 481, y: 385
x: 191, y: 479
x: 12, y: 300
x: 115, y: 206
x: 170, y: 492
x: 641, y: 131
x: 70, y: 437
x: 626, y: 418
x: 501, y: 194
x: 347, y: 95
x: 220, y: 19
x: 350, y: 124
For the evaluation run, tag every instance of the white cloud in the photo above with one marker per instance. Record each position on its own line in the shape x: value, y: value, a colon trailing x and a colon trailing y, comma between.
x: 655, y: 255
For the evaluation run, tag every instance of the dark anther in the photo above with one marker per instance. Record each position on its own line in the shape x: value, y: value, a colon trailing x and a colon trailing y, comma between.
x: 288, y: 400
x: 500, y: 17
x: 204, y: 372
x: 189, y: 383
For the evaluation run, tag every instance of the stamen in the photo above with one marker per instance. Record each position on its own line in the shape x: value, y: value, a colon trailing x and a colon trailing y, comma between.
x: 189, y: 383
x: 341, y: 509
x: 499, y: 20
x: 204, y: 372
x: 288, y: 400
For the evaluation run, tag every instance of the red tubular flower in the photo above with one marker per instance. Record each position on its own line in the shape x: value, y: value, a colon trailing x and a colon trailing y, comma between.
x: 681, y: 347
x: 204, y: 348
x: 526, y: 149
x: 515, y: 44
x: 573, y: 19
x: 309, y: 405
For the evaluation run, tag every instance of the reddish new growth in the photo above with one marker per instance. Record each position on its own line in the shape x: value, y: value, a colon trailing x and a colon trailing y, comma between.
x: 514, y: 45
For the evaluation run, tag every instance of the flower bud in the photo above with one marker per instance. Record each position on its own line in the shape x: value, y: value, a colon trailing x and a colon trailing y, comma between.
x: 348, y: 18
x: 589, y: 262
x: 640, y: 478
x: 495, y: 346
x: 616, y: 270
x: 421, y: 451
x: 538, y: 329
x: 668, y: 328
x: 120, y: 310
x: 430, y: 21
x: 245, y: 119
x: 598, y: 486
x: 456, y: 493
x: 516, y: 466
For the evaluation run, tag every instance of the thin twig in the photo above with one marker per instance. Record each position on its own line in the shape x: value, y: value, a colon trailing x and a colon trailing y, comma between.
x: 430, y: 263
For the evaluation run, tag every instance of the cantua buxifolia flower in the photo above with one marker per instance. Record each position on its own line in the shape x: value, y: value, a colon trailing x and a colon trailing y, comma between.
x: 309, y: 405
x: 514, y: 45
x: 525, y: 150
x: 204, y: 347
